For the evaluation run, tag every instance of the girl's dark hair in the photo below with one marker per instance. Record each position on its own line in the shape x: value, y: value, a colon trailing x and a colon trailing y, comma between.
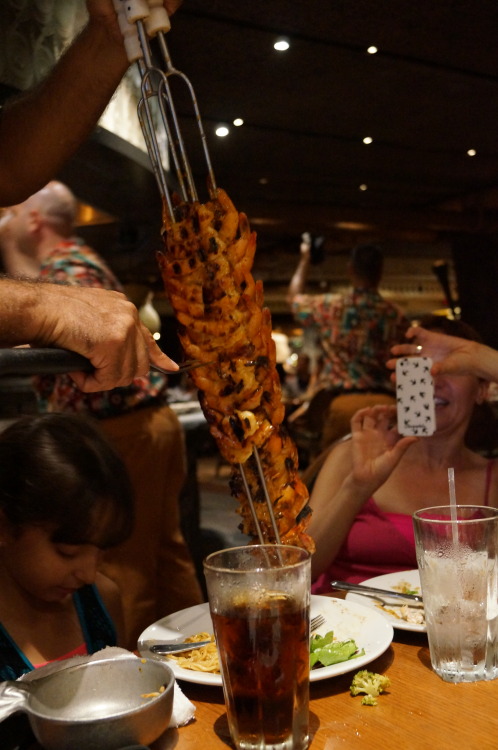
x: 450, y: 327
x: 59, y: 470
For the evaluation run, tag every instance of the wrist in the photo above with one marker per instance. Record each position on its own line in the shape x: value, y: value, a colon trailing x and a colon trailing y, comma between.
x: 38, y: 306
x: 486, y: 361
x: 302, y: 269
x: 103, y: 35
x: 358, y: 490
x: 19, y: 311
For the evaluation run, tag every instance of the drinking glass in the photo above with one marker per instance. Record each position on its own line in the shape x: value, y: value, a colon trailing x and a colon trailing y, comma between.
x: 458, y: 563
x: 259, y: 598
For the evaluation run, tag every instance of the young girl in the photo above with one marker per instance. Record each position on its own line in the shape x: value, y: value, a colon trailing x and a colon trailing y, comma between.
x: 64, y: 497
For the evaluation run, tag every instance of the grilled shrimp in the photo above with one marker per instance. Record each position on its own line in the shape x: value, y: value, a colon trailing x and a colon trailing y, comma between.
x: 206, y: 268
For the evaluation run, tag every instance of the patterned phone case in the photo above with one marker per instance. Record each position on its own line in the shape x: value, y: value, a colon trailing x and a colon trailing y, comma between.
x: 415, y: 396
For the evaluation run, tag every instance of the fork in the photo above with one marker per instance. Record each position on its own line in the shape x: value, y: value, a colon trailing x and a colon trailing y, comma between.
x: 192, y: 364
x: 177, y: 648
x: 316, y: 622
x: 189, y: 364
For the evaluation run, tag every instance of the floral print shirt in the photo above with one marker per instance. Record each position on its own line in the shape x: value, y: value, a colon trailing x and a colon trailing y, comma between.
x: 78, y: 265
x: 357, y: 331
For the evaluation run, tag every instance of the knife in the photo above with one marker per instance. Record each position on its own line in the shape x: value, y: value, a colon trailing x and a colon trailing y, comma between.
x: 359, y: 588
x: 175, y: 648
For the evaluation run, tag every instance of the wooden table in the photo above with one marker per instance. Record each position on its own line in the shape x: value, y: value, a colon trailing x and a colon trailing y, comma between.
x: 420, y: 712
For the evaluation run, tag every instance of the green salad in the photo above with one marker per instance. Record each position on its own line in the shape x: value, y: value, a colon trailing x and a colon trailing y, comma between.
x: 324, y: 651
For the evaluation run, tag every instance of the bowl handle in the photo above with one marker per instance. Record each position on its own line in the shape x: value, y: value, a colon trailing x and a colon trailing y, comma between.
x: 13, y: 697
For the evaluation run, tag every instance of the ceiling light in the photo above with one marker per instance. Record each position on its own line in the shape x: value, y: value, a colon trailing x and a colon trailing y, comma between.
x: 353, y: 226
x: 471, y: 152
x: 282, y: 44
x: 367, y: 140
x: 221, y: 131
x: 263, y: 180
x: 264, y: 221
x: 372, y: 49
x: 363, y: 187
x: 238, y: 122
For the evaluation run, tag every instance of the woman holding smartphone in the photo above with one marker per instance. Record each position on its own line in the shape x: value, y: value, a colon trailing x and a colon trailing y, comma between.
x: 370, y: 485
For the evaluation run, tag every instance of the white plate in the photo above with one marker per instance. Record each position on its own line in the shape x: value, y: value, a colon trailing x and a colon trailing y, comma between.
x: 368, y: 628
x: 390, y: 581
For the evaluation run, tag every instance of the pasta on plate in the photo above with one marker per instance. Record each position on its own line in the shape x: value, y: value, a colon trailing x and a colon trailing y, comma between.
x: 203, y: 659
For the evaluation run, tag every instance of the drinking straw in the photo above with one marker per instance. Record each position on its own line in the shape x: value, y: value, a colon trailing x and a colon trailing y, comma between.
x: 453, y: 512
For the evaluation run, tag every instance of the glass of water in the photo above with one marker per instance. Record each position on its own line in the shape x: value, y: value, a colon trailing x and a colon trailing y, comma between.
x: 457, y: 556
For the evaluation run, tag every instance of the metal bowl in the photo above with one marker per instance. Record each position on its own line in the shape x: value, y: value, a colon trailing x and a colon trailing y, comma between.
x: 100, y: 705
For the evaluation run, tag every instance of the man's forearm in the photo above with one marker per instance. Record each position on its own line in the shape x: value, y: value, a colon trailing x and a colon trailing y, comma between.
x: 298, y: 281
x: 17, y: 318
x: 48, y: 123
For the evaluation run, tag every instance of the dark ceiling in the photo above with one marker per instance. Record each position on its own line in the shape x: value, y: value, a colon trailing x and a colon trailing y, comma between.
x: 428, y: 95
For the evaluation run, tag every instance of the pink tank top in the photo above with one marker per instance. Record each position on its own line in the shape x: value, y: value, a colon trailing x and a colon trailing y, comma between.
x: 78, y: 651
x: 377, y: 543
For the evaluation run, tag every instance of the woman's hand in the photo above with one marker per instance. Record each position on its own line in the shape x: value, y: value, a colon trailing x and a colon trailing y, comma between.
x: 352, y: 472
x: 449, y: 354
x: 376, y: 446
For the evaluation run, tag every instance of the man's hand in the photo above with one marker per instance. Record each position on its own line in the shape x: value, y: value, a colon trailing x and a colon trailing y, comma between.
x: 298, y: 280
x: 305, y: 246
x: 103, y: 12
x: 101, y: 325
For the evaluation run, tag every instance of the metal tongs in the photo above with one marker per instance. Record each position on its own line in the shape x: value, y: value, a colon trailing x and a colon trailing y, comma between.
x: 140, y: 21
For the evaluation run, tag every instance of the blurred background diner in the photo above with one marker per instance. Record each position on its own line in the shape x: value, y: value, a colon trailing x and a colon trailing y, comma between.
x: 353, y: 333
x: 376, y: 161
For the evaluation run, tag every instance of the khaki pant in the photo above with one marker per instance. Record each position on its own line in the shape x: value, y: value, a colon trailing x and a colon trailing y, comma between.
x: 153, y: 569
x: 342, y: 408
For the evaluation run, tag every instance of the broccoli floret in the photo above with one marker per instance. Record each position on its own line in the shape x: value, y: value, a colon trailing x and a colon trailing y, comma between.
x: 369, y: 700
x: 370, y: 683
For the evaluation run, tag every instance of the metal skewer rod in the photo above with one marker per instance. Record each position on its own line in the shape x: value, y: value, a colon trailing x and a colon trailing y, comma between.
x: 171, y: 70
x: 155, y: 87
x: 250, y: 500
x: 267, y: 496
x: 251, y: 505
x: 152, y: 80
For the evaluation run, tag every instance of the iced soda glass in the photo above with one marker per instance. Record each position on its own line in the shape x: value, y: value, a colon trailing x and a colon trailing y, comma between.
x: 458, y: 564
x: 259, y: 598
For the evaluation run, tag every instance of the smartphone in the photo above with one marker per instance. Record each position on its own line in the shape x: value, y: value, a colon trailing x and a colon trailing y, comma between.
x: 415, y: 396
